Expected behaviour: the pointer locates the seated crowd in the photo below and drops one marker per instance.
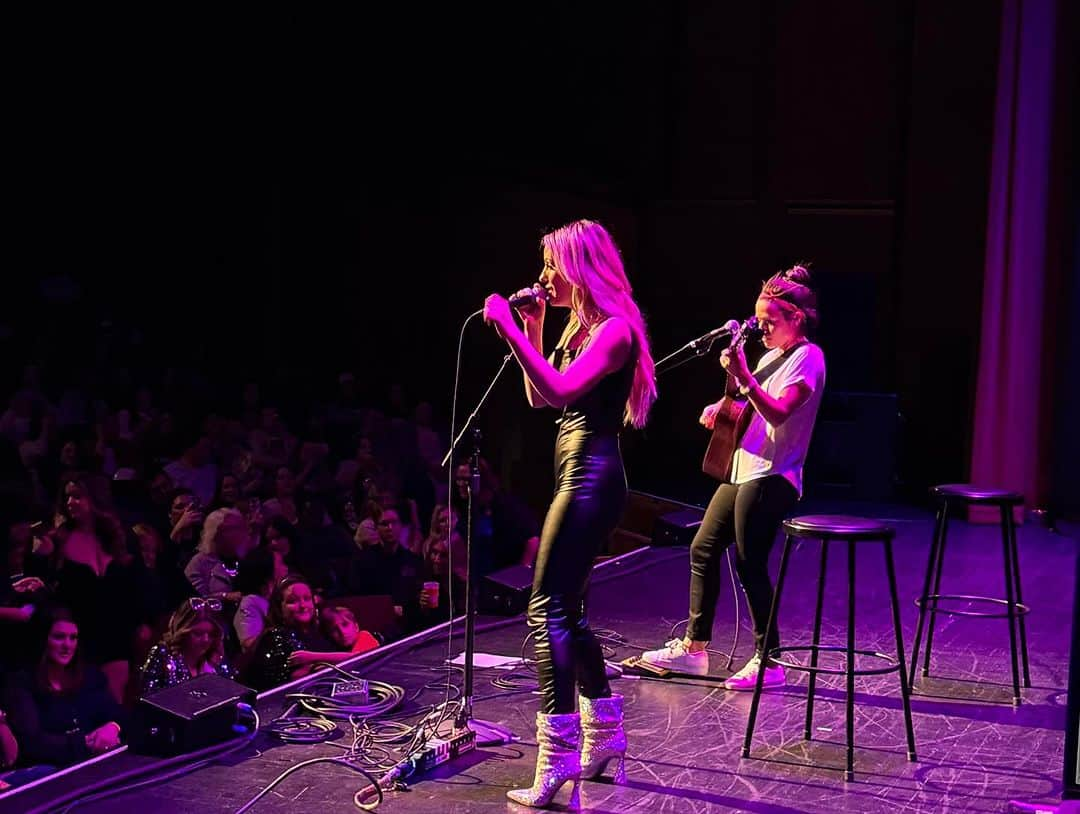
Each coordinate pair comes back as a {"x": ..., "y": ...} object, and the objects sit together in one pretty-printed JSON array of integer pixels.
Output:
[{"x": 140, "y": 554}]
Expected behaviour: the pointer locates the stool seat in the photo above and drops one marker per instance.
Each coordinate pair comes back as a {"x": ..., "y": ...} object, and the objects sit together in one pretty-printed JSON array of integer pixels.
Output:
[
  {"x": 838, "y": 526},
  {"x": 976, "y": 494}
]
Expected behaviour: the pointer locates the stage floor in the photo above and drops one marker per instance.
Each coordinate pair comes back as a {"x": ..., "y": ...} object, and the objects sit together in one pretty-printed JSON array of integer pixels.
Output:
[{"x": 975, "y": 750}]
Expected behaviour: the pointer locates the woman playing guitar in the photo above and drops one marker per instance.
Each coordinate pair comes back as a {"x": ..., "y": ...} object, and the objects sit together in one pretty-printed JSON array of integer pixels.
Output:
[{"x": 764, "y": 475}]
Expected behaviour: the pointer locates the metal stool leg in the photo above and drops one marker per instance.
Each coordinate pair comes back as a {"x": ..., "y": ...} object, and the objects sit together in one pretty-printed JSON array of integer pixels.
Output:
[
  {"x": 1019, "y": 597},
  {"x": 849, "y": 773},
  {"x": 939, "y": 524},
  {"x": 1010, "y": 607},
  {"x": 932, "y": 610},
  {"x": 904, "y": 690},
  {"x": 817, "y": 640},
  {"x": 755, "y": 702}
]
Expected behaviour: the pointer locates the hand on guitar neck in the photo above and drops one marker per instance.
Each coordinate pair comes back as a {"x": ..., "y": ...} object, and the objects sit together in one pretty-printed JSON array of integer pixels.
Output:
[
  {"x": 733, "y": 360},
  {"x": 729, "y": 417}
]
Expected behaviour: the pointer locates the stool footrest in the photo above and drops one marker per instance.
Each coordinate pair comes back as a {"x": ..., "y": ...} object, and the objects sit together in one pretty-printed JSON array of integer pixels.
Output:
[
  {"x": 891, "y": 666},
  {"x": 1018, "y": 608}
]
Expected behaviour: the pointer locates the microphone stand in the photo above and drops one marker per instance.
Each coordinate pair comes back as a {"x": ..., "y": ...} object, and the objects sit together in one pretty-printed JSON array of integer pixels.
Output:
[
  {"x": 700, "y": 346},
  {"x": 487, "y": 733}
]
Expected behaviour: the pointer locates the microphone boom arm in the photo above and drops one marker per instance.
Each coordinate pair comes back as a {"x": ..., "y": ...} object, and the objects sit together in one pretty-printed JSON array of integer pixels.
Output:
[{"x": 700, "y": 346}]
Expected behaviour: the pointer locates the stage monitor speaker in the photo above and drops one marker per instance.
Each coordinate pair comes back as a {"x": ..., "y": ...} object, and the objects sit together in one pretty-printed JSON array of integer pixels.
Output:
[
  {"x": 506, "y": 592},
  {"x": 199, "y": 712},
  {"x": 642, "y": 510},
  {"x": 677, "y": 528}
]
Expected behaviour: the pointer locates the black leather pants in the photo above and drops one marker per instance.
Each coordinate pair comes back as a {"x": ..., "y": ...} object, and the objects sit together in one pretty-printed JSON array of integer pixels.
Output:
[{"x": 590, "y": 494}]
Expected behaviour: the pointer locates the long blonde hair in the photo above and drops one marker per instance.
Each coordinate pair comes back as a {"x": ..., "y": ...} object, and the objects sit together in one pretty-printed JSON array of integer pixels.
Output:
[
  {"x": 589, "y": 259},
  {"x": 210, "y": 528}
]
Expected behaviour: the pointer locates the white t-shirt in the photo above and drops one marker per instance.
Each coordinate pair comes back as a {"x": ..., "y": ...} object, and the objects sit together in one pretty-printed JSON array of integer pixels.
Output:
[{"x": 766, "y": 450}]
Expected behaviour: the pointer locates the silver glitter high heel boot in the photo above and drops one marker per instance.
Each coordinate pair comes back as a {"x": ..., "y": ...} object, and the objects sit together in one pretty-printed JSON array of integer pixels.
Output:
[
  {"x": 602, "y": 737},
  {"x": 557, "y": 761}
]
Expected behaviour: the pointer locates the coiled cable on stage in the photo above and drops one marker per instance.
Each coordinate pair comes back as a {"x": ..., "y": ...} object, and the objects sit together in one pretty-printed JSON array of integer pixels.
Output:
[
  {"x": 319, "y": 699},
  {"x": 302, "y": 729}
]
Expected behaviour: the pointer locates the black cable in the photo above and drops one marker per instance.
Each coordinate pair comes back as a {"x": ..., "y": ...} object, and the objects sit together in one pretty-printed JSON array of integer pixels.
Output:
[
  {"x": 292, "y": 769},
  {"x": 302, "y": 729},
  {"x": 449, "y": 506}
]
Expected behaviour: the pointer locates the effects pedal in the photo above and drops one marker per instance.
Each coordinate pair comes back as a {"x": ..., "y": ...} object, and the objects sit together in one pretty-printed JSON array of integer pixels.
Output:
[
  {"x": 354, "y": 692},
  {"x": 441, "y": 750},
  {"x": 635, "y": 666},
  {"x": 435, "y": 753}
]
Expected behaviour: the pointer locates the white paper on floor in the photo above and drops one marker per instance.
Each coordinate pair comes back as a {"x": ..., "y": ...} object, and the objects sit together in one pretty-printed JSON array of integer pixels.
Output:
[{"x": 482, "y": 660}]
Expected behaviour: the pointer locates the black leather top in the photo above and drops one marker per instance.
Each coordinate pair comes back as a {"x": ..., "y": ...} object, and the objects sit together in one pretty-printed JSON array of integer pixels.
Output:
[
  {"x": 976, "y": 494},
  {"x": 838, "y": 526}
]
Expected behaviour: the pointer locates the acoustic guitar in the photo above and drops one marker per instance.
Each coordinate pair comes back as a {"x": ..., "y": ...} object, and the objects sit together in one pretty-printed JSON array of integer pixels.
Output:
[
  {"x": 733, "y": 416},
  {"x": 735, "y": 412}
]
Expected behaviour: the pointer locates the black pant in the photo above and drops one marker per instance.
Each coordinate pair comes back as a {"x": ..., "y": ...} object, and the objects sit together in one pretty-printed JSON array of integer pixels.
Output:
[
  {"x": 748, "y": 514},
  {"x": 589, "y": 500}
]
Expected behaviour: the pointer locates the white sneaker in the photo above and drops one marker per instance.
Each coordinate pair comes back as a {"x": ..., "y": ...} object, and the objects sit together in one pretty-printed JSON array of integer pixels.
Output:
[
  {"x": 746, "y": 678},
  {"x": 674, "y": 656}
]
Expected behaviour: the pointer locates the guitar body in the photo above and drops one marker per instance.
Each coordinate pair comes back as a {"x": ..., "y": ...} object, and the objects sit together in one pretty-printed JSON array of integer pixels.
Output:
[{"x": 732, "y": 418}]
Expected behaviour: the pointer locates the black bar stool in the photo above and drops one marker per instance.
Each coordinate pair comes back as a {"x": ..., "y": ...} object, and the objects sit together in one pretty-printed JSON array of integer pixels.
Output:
[
  {"x": 950, "y": 497},
  {"x": 829, "y": 528}
]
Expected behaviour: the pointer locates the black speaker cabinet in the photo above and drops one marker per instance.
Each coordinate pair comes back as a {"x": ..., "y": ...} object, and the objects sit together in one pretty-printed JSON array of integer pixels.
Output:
[
  {"x": 677, "y": 528},
  {"x": 853, "y": 451},
  {"x": 197, "y": 713},
  {"x": 506, "y": 592}
]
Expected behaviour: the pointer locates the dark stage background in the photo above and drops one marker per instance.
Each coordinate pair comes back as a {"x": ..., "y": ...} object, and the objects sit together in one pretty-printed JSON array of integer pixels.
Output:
[{"x": 286, "y": 198}]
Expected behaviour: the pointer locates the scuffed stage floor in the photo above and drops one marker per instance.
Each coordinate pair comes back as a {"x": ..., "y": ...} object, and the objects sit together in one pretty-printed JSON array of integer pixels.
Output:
[{"x": 975, "y": 750}]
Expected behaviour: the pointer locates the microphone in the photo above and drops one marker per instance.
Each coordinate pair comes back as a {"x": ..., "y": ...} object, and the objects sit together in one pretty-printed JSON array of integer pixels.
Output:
[
  {"x": 534, "y": 293},
  {"x": 750, "y": 327},
  {"x": 729, "y": 328}
]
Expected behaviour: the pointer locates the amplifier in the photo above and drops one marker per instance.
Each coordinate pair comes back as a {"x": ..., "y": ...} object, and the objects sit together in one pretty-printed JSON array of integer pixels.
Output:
[
  {"x": 677, "y": 528},
  {"x": 506, "y": 592},
  {"x": 199, "y": 712}
]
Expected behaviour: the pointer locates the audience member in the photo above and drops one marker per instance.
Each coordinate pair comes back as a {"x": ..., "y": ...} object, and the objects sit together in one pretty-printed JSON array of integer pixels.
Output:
[
  {"x": 504, "y": 530},
  {"x": 292, "y": 645},
  {"x": 339, "y": 625},
  {"x": 259, "y": 572},
  {"x": 226, "y": 538},
  {"x": 387, "y": 567},
  {"x": 62, "y": 711},
  {"x": 283, "y": 503},
  {"x": 86, "y": 558},
  {"x": 192, "y": 645},
  {"x": 195, "y": 469}
]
